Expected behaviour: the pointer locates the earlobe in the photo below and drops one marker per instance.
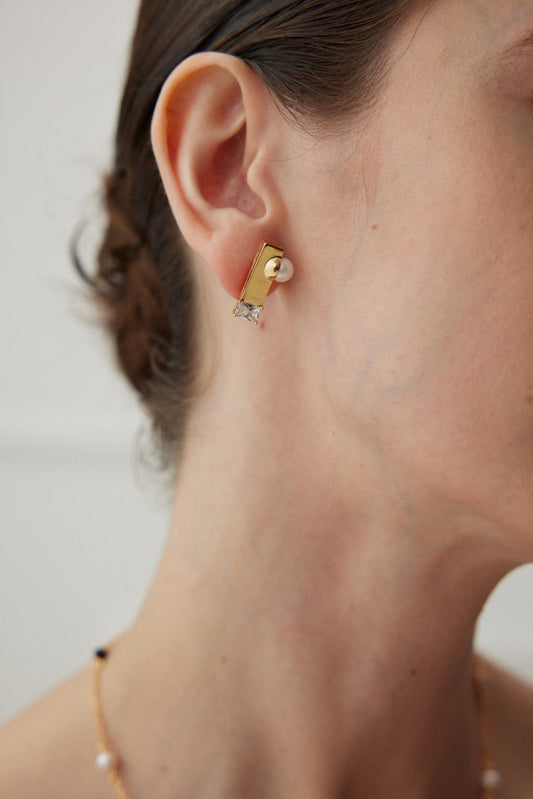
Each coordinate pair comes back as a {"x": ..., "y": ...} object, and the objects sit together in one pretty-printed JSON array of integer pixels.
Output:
[{"x": 208, "y": 131}]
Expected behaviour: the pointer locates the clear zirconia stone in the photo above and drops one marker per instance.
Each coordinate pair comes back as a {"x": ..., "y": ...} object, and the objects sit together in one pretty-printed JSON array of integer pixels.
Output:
[{"x": 247, "y": 311}]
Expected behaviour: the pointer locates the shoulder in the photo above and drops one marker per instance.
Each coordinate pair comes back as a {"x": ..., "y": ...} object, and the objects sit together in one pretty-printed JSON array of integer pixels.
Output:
[{"x": 49, "y": 749}]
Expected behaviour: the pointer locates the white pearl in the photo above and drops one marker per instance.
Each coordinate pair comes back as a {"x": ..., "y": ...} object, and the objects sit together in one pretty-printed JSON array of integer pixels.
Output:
[
  {"x": 491, "y": 778},
  {"x": 105, "y": 761},
  {"x": 286, "y": 271}
]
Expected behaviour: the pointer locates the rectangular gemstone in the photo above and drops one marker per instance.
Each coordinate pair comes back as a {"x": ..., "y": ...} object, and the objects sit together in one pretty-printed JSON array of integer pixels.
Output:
[{"x": 247, "y": 311}]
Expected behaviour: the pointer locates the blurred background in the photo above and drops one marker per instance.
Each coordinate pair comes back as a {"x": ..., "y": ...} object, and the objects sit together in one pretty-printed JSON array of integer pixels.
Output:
[{"x": 82, "y": 520}]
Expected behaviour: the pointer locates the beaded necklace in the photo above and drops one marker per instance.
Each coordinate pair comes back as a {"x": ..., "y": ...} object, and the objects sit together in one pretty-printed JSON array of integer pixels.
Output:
[{"x": 490, "y": 780}]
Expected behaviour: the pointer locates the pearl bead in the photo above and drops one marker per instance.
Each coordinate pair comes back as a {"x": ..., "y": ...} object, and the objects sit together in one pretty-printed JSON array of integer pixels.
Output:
[
  {"x": 105, "y": 761},
  {"x": 286, "y": 271},
  {"x": 491, "y": 778}
]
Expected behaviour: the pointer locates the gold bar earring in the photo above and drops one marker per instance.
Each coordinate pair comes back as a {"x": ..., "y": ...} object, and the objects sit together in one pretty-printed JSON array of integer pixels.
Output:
[{"x": 268, "y": 265}]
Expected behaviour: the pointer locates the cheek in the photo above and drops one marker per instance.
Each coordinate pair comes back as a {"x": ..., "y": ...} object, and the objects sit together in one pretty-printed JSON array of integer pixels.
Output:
[
  {"x": 464, "y": 338},
  {"x": 462, "y": 239},
  {"x": 466, "y": 422},
  {"x": 449, "y": 317}
]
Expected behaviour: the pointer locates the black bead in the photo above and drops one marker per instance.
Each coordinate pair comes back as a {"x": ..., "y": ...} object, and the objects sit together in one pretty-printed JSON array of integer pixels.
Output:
[{"x": 101, "y": 653}]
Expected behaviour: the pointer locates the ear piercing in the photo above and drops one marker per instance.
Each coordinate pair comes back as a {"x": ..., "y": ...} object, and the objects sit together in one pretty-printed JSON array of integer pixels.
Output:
[{"x": 269, "y": 264}]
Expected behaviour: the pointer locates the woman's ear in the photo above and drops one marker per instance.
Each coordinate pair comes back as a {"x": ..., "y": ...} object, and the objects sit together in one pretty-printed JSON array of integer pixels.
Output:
[{"x": 213, "y": 134}]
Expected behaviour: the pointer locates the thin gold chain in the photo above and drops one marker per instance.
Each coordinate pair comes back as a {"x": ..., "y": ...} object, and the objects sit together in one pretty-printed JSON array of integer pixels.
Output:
[
  {"x": 106, "y": 758},
  {"x": 108, "y": 761},
  {"x": 491, "y": 778}
]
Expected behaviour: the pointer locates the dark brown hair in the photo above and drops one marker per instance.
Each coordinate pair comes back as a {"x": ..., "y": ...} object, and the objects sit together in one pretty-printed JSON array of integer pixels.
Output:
[{"x": 321, "y": 58}]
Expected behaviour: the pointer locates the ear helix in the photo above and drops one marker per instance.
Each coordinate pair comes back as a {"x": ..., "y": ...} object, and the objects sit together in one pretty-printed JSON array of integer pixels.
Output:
[{"x": 269, "y": 264}]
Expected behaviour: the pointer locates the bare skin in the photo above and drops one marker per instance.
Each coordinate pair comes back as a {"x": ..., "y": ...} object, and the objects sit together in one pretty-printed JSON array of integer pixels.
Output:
[
  {"x": 358, "y": 475},
  {"x": 49, "y": 749}
]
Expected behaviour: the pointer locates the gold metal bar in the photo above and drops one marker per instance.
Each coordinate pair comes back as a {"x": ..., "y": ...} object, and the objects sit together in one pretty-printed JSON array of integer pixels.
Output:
[{"x": 257, "y": 283}]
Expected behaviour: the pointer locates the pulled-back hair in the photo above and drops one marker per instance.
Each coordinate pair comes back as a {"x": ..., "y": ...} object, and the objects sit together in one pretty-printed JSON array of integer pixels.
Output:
[{"x": 322, "y": 59}]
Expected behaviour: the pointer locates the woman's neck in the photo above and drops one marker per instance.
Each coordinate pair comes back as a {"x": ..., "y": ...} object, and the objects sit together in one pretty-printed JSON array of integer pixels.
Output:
[{"x": 308, "y": 633}]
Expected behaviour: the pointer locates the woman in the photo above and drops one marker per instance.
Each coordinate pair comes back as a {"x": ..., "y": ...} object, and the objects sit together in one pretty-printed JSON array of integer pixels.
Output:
[{"x": 355, "y": 471}]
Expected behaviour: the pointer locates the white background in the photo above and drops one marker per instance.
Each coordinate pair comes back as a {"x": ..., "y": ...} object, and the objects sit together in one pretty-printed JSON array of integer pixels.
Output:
[{"x": 81, "y": 526}]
